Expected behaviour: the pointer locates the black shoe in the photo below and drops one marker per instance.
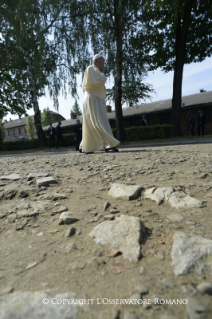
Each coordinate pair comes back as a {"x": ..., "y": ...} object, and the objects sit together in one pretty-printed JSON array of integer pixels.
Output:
[
  {"x": 80, "y": 151},
  {"x": 111, "y": 150},
  {"x": 89, "y": 153}
]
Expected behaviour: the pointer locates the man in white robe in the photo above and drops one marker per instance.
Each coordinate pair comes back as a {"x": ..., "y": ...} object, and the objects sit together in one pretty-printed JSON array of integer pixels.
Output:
[{"x": 96, "y": 131}]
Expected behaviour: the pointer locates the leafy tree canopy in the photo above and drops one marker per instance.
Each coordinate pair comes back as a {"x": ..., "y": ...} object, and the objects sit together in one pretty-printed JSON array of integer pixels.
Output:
[
  {"x": 46, "y": 117},
  {"x": 75, "y": 109}
]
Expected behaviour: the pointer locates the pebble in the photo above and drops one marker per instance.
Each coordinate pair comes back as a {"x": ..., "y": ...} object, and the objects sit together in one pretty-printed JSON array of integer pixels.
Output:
[
  {"x": 142, "y": 290},
  {"x": 167, "y": 282},
  {"x": 109, "y": 217},
  {"x": 205, "y": 288},
  {"x": 106, "y": 205},
  {"x": 70, "y": 232},
  {"x": 141, "y": 270},
  {"x": 160, "y": 256}
]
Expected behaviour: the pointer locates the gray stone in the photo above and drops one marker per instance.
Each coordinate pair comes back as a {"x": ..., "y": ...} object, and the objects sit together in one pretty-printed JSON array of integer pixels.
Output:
[
  {"x": 59, "y": 196},
  {"x": 109, "y": 216},
  {"x": 129, "y": 315},
  {"x": 62, "y": 209},
  {"x": 194, "y": 309},
  {"x": 11, "y": 218},
  {"x": 6, "y": 291},
  {"x": 2, "y": 215},
  {"x": 70, "y": 232},
  {"x": 167, "y": 282},
  {"x": 205, "y": 288},
  {"x": 45, "y": 181},
  {"x": 203, "y": 175},
  {"x": 67, "y": 218},
  {"x": 175, "y": 199},
  {"x": 142, "y": 290},
  {"x": 120, "y": 191},
  {"x": 124, "y": 233},
  {"x": 68, "y": 248},
  {"x": 23, "y": 194},
  {"x": 181, "y": 200},
  {"x": 114, "y": 211},
  {"x": 38, "y": 305},
  {"x": 12, "y": 177},
  {"x": 106, "y": 205},
  {"x": 190, "y": 252},
  {"x": 141, "y": 270},
  {"x": 9, "y": 194},
  {"x": 175, "y": 217},
  {"x": 36, "y": 175}
]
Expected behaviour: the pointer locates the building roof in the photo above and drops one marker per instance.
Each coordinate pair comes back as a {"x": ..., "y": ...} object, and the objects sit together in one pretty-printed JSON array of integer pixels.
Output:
[
  {"x": 194, "y": 100},
  {"x": 22, "y": 121}
]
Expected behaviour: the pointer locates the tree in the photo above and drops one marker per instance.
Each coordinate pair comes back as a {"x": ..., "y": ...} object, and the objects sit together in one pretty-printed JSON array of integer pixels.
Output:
[
  {"x": 75, "y": 109},
  {"x": 46, "y": 40},
  {"x": 3, "y": 130},
  {"x": 46, "y": 117},
  {"x": 179, "y": 32},
  {"x": 30, "y": 127},
  {"x": 115, "y": 26}
]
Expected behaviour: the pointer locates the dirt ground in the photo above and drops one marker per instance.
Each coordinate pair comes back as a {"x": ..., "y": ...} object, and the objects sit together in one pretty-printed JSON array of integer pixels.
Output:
[{"x": 33, "y": 249}]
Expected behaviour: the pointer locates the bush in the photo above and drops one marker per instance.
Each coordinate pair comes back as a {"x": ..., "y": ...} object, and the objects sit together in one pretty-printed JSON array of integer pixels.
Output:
[
  {"x": 34, "y": 144},
  {"x": 139, "y": 133}
]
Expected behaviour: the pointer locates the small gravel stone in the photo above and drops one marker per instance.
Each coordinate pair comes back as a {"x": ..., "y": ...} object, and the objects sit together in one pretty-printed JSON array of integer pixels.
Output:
[
  {"x": 205, "y": 288},
  {"x": 167, "y": 282}
]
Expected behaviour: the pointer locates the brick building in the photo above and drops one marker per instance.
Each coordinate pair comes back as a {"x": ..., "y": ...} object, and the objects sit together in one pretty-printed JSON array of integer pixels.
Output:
[
  {"x": 158, "y": 112},
  {"x": 15, "y": 129}
]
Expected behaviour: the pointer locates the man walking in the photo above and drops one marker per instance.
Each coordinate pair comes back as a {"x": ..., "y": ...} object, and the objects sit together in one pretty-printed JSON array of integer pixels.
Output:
[
  {"x": 51, "y": 133},
  {"x": 96, "y": 133},
  {"x": 191, "y": 123},
  {"x": 201, "y": 122},
  {"x": 144, "y": 121},
  {"x": 78, "y": 134},
  {"x": 59, "y": 136}
]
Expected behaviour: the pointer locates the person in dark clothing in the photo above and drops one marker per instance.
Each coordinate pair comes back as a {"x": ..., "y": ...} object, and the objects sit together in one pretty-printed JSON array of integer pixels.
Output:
[
  {"x": 201, "y": 122},
  {"x": 59, "y": 136},
  {"x": 51, "y": 134},
  {"x": 78, "y": 134},
  {"x": 1, "y": 142},
  {"x": 191, "y": 123},
  {"x": 144, "y": 121}
]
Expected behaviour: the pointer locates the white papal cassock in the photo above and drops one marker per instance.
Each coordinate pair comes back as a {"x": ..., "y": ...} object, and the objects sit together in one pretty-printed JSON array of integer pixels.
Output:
[{"x": 96, "y": 131}]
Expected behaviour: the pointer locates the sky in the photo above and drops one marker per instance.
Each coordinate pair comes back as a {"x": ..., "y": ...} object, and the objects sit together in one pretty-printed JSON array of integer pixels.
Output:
[{"x": 196, "y": 76}]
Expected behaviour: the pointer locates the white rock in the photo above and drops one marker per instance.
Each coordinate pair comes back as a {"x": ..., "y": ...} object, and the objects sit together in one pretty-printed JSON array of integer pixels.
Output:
[
  {"x": 12, "y": 177},
  {"x": 36, "y": 175},
  {"x": 175, "y": 217},
  {"x": 46, "y": 181},
  {"x": 67, "y": 218},
  {"x": 120, "y": 191},
  {"x": 181, "y": 200},
  {"x": 205, "y": 288},
  {"x": 188, "y": 253},
  {"x": 59, "y": 196},
  {"x": 124, "y": 233},
  {"x": 175, "y": 199}
]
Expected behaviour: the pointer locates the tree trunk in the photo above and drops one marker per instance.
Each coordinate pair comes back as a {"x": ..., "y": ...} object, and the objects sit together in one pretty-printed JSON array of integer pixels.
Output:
[
  {"x": 37, "y": 115},
  {"x": 181, "y": 39},
  {"x": 121, "y": 135}
]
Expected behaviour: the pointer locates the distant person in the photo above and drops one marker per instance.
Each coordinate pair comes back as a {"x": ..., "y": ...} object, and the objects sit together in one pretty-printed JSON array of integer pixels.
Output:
[
  {"x": 78, "y": 134},
  {"x": 1, "y": 141},
  {"x": 51, "y": 134},
  {"x": 59, "y": 136},
  {"x": 191, "y": 123},
  {"x": 144, "y": 121},
  {"x": 201, "y": 122}
]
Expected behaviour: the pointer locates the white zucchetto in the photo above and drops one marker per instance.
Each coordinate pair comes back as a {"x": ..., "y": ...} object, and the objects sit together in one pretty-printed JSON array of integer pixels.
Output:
[{"x": 97, "y": 56}]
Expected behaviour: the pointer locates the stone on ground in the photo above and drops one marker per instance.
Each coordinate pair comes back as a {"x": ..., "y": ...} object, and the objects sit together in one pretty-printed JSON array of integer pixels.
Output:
[
  {"x": 45, "y": 181},
  {"x": 124, "y": 233},
  {"x": 12, "y": 177},
  {"x": 36, "y": 175},
  {"x": 120, "y": 191},
  {"x": 190, "y": 252}
]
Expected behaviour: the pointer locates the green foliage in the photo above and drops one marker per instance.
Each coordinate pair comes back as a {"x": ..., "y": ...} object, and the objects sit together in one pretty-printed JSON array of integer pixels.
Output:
[
  {"x": 139, "y": 133},
  {"x": 34, "y": 144},
  {"x": 164, "y": 24},
  {"x": 75, "y": 109},
  {"x": 3, "y": 130},
  {"x": 46, "y": 117},
  {"x": 30, "y": 127}
]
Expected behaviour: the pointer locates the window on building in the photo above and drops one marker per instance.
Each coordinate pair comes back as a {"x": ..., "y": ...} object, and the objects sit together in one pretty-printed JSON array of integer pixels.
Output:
[
  {"x": 25, "y": 130},
  {"x": 13, "y": 131},
  {"x": 8, "y": 132},
  {"x": 208, "y": 114},
  {"x": 19, "y": 130}
]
